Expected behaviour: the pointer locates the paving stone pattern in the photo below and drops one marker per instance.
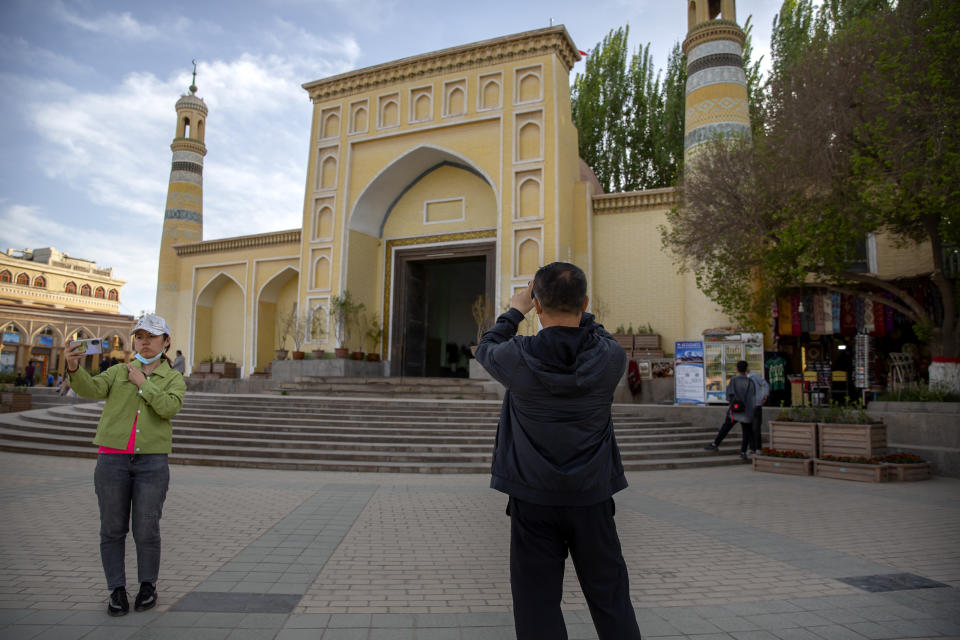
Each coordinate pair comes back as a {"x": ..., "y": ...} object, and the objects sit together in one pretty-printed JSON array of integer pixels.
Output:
[{"x": 712, "y": 553}]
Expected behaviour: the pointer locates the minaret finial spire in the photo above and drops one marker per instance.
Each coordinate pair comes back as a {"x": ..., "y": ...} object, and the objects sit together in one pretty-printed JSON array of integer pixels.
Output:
[{"x": 193, "y": 85}]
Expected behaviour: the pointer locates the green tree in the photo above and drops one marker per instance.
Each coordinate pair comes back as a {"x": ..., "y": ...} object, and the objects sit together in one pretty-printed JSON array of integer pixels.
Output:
[
  {"x": 862, "y": 137},
  {"x": 599, "y": 101}
]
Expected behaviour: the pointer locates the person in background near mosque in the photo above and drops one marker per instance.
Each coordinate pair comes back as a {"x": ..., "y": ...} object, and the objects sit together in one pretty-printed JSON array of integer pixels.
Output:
[
  {"x": 751, "y": 418},
  {"x": 132, "y": 473},
  {"x": 557, "y": 458},
  {"x": 178, "y": 363}
]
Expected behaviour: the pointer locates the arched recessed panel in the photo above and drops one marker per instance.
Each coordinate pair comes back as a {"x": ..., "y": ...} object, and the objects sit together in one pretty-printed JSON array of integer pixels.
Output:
[
  {"x": 359, "y": 124},
  {"x": 491, "y": 95},
  {"x": 6, "y": 276},
  {"x": 321, "y": 273},
  {"x": 529, "y": 89},
  {"x": 331, "y": 126},
  {"x": 23, "y": 279},
  {"x": 86, "y": 290},
  {"x": 457, "y": 102},
  {"x": 324, "y": 228},
  {"x": 529, "y": 200},
  {"x": 100, "y": 293},
  {"x": 422, "y": 108},
  {"x": 328, "y": 173},
  {"x": 529, "y": 148},
  {"x": 528, "y": 257}
]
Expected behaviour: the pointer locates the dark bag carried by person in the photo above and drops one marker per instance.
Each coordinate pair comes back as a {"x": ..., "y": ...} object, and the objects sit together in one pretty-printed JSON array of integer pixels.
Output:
[{"x": 736, "y": 404}]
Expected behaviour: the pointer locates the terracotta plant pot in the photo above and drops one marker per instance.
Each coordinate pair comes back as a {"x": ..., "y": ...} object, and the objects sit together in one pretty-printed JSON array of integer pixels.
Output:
[
  {"x": 280, "y": 354},
  {"x": 373, "y": 357},
  {"x": 319, "y": 353},
  {"x": 356, "y": 355},
  {"x": 298, "y": 355},
  {"x": 341, "y": 352}
]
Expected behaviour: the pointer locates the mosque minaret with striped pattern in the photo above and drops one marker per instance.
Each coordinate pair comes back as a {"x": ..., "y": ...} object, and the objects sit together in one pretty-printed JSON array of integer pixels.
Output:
[
  {"x": 183, "y": 215},
  {"x": 716, "y": 101}
]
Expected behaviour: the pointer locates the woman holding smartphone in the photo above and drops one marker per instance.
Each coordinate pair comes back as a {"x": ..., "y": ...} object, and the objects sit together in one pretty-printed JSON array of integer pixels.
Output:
[{"x": 134, "y": 435}]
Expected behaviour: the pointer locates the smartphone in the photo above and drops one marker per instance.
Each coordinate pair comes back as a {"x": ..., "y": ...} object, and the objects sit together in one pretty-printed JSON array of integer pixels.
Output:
[{"x": 89, "y": 346}]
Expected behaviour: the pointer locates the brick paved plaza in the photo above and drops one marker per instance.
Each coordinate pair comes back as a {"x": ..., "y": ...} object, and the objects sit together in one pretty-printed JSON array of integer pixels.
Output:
[{"x": 248, "y": 554}]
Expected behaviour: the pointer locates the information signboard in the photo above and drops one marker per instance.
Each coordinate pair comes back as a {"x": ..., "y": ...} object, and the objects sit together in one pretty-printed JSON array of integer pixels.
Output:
[{"x": 688, "y": 373}]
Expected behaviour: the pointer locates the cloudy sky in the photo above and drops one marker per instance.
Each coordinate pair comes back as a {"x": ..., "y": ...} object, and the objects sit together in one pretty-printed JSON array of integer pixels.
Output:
[{"x": 87, "y": 111}]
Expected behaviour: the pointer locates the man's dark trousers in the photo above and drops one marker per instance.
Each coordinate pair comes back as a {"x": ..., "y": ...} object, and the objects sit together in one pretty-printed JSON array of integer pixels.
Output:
[{"x": 540, "y": 537}]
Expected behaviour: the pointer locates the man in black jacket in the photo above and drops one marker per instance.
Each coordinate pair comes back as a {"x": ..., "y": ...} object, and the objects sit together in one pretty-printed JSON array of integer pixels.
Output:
[{"x": 557, "y": 458}]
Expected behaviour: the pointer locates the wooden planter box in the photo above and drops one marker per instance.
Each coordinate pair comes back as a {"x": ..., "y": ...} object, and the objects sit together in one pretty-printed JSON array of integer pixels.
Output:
[
  {"x": 204, "y": 367},
  {"x": 625, "y": 340},
  {"x": 908, "y": 472},
  {"x": 225, "y": 369},
  {"x": 794, "y": 436},
  {"x": 789, "y": 466},
  {"x": 646, "y": 341},
  {"x": 16, "y": 401},
  {"x": 852, "y": 440},
  {"x": 850, "y": 471}
]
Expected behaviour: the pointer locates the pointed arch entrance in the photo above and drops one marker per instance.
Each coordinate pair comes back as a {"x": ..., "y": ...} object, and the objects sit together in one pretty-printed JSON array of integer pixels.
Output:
[
  {"x": 437, "y": 213},
  {"x": 218, "y": 320},
  {"x": 277, "y": 299}
]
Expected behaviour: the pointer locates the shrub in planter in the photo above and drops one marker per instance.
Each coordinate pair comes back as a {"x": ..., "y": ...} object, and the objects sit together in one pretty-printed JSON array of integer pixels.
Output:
[{"x": 906, "y": 467}]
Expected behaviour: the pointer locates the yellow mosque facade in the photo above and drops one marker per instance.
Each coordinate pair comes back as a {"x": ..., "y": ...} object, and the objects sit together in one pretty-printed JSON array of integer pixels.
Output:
[{"x": 433, "y": 180}]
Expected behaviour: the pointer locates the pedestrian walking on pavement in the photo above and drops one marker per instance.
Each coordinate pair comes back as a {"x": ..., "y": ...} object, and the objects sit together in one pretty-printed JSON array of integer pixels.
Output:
[
  {"x": 752, "y": 391},
  {"x": 557, "y": 458},
  {"x": 132, "y": 474}
]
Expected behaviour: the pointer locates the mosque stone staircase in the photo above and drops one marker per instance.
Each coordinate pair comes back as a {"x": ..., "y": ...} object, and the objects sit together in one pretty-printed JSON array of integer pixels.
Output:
[{"x": 320, "y": 432}]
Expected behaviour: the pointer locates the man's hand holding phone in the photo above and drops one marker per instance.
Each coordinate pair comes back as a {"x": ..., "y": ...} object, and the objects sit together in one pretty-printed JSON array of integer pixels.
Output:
[{"x": 522, "y": 300}]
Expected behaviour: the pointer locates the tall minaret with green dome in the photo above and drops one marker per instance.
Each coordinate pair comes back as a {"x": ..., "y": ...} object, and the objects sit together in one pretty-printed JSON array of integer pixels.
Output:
[
  {"x": 716, "y": 82},
  {"x": 183, "y": 216}
]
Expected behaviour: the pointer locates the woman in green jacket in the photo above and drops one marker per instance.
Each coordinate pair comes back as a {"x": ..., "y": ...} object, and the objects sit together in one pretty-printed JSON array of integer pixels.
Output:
[{"x": 134, "y": 435}]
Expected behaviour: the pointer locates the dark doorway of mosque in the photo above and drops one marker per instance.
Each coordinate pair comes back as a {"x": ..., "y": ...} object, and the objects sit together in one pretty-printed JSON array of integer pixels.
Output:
[{"x": 433, "y": 325}]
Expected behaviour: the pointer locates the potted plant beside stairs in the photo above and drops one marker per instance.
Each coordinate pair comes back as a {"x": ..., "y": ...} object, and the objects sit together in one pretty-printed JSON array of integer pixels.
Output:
[
  {"x": 344, "y": 311},
  {"x": 374, "y": 332}
]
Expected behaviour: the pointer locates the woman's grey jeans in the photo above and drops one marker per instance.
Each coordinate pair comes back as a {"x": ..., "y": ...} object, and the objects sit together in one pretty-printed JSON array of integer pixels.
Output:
[{"x": 124, "y": 482}]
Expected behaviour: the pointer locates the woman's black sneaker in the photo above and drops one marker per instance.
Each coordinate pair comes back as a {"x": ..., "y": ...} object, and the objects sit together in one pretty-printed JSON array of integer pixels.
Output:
[
  {"x": 146, "y": 598},
  {"x": 118, "y": 605}
]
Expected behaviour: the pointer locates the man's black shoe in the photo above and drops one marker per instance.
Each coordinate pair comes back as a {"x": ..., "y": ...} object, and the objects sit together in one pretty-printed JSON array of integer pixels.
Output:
[
  {"x": 743, "y": 456},
  {"x": 118, "y": 605},
  {"x": 711, "y": 447},
  {"x": 146, "y": 598}
]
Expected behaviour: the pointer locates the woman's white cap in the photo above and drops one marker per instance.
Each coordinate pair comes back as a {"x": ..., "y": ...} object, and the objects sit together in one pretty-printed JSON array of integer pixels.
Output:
[{"x": 152, "y": 324}]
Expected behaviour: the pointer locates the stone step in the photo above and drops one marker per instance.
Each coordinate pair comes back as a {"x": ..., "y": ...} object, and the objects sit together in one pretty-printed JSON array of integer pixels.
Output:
[
  {"x": 237, "y": 424},
  {"x": 295, "y": 464},
  {"x": 375, "y": 434},
  {"x": 626, "y": 436},
  {"x": 326, "y": 440}
]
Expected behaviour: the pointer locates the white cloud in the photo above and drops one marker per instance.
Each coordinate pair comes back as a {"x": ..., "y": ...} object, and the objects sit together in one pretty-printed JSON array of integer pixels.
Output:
[{"x": 112, "y": 24}]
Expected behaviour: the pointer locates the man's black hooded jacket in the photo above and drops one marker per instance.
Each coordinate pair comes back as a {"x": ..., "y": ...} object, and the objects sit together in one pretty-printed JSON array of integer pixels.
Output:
[{"x": 555, "y": 442}]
